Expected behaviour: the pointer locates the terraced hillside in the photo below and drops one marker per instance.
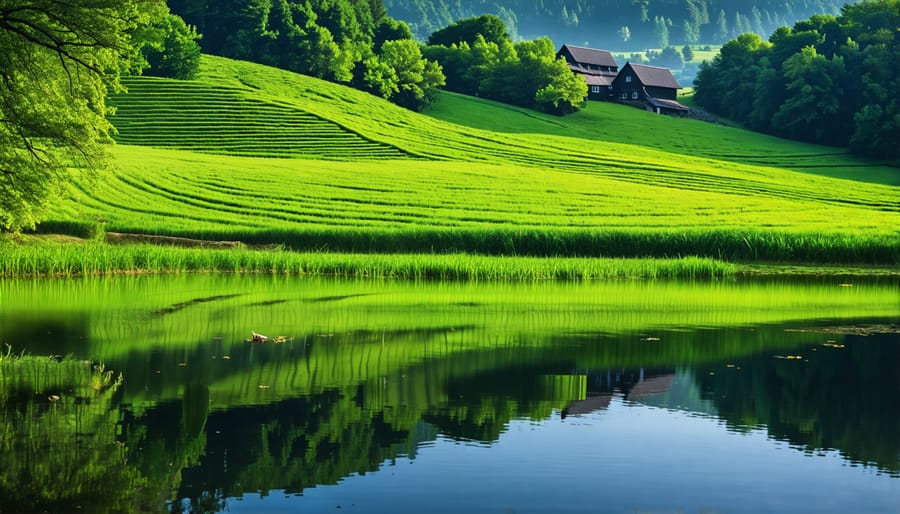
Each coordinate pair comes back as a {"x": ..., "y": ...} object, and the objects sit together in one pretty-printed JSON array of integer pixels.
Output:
[
  {"x": 470, "y": 176},
  {"x": 227, "y": 120}
]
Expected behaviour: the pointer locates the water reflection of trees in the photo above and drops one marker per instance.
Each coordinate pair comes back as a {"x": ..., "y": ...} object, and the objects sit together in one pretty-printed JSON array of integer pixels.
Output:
[
  {"x": 181, "y": 452},
  {"x": 838, "y": 396},
  {"x": 59, "y": 445}
]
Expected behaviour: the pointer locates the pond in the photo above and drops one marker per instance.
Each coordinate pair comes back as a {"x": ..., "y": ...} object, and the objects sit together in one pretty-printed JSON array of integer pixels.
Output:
[{"x": 741, "y": 396}]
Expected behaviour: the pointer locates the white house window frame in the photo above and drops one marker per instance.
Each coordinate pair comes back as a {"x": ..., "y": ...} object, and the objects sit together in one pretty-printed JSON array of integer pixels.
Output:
[
  {"x": 595, "y": 89},
  {"x": 634, "y": 95}
]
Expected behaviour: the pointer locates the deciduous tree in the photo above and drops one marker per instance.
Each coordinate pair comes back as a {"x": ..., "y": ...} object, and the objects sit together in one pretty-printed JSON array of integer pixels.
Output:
[{"x": 58, "y": 60}]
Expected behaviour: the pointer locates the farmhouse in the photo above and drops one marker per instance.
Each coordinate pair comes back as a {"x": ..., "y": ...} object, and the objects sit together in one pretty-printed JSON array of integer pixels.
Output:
[
  {"x": 648, "y": 86},
  {"x": 598, "y": 67}
]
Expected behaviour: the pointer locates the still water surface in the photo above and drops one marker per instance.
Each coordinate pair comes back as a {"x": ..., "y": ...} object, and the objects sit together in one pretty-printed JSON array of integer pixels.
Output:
[{"x": 622, "y": 396}]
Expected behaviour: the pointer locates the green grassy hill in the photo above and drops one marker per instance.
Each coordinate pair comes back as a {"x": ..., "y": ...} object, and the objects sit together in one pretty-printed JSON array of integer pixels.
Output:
[{"x": 256, "y": 154}]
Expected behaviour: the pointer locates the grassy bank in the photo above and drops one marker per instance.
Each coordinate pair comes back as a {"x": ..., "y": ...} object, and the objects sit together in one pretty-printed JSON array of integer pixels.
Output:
[{"x": 96, "y": 258}]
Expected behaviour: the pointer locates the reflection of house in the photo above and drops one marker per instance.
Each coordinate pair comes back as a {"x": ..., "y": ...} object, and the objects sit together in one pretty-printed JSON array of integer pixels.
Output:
[
  {"x": 634, "y": 385},
  {"x": 598, "y": 67},
  {"x": 587, "y": 406},
  {"x": 649, "y": 86},
  {"x": 652, "y": 386}
]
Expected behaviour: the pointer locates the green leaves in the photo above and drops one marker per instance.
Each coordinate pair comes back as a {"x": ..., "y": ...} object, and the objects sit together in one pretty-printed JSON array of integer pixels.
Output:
[
  {"x": 58, "y": 60},
  {"x": 827, "y": 80}
]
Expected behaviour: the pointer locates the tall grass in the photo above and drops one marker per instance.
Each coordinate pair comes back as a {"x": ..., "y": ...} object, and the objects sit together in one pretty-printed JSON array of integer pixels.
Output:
[
  {"x": 24, "y": 376},
  {"x": 94, "y": 259},
  {"x": 734, "y": 244}
]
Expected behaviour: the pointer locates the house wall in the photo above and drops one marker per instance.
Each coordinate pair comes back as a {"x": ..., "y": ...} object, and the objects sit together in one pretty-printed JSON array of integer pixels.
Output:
[
  {"x": 663, "y": 93},
  {"x": 629, "y": 89},
  {"x": 601, "y": 93}
]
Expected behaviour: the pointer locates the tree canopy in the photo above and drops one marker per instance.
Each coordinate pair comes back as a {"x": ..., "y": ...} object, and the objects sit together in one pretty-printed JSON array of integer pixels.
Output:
[
  {"x": 58, "y": 60},
  {"x": 830, "y": 80},
  {"x": 527, "y": 73},
  {"x": 343, "y": 41}
]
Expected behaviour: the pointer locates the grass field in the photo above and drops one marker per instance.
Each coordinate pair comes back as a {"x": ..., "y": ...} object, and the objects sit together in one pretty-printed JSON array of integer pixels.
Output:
[{"x": 253, "y": 154}]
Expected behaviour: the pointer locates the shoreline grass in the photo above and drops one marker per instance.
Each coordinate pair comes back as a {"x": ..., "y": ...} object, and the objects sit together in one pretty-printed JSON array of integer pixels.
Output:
[
  {"x": 39, "y": 258},
  {"x": 71, "y": 260}
]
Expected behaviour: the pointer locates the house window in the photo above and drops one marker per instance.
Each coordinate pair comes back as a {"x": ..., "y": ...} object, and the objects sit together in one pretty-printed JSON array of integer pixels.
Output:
[
  {"x": 624, "y": 96},
  {"x": 595, "y": 89},
  {"x": 634, "y": 95},
  {"x": 627, "y": 78}
]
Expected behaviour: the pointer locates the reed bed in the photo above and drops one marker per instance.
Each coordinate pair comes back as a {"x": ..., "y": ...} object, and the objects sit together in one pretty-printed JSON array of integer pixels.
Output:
[
  {"x": 28, "y": 375},
  {"x": 97, "y": 259},
  {"x": 732, "y": 245}
]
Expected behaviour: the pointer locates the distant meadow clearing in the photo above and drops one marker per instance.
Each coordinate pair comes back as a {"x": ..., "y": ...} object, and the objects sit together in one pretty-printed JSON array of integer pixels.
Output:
[{"x": 271, "y": 159}]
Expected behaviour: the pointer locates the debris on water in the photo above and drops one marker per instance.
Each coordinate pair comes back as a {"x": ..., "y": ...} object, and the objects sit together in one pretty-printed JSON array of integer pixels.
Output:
[
  {"x": 853, "y": 330},
  {"x": 834, "y": 344},
  {"x": 256, "y": 338},
  {"x": 845, "y": 285},
  {"x": 650, "y": 339},
  {"x": 281, "y": 339},
  {"x": 53, "y": 398},
  {"x": 789, "y": 357},
  {"x": 261, "y": 386}
]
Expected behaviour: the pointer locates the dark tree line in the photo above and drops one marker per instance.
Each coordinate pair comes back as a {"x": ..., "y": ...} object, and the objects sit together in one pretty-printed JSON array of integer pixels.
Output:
[
  {"x": 345, "y": 41},
  {"x": 479, "y": 58},
  {"x": 830, "y": 80},
  {"x": 616, "y": 24}
]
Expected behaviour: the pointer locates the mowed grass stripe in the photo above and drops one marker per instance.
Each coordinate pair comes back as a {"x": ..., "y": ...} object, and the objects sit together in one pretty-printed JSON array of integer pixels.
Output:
[
  {"x": 546, "y": 142},
  {"x": 295, "y": 194},
  {"x": 192, "y": 116}
]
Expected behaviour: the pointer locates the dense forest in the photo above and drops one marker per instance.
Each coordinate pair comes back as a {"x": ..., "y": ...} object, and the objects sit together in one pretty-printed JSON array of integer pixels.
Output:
[
  {"x": 356, "y": 42},
  {"x": 616, "y": 24},
  {"x": 347, "y": 41},
  {"x": 830, "y": 80}
]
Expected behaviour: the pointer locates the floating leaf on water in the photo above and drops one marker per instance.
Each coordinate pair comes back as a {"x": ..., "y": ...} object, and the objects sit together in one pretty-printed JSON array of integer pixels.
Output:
[
  {"x": 280, "y": 339},
  {"x": 226, "y": 357},
  {"x": 53, "y": 398},
  {"x": 730, "y": 366},
  {"x": 261, "y": 386},
  {"x": 650, "y": 339},
  {"x": 845, "y": 285},
  {"x": 182, "y": 364}
]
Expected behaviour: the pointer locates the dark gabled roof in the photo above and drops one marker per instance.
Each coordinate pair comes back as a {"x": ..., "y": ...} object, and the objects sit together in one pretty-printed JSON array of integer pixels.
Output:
[
  {"x": 654, "y": 76},
  {"x": 577, "y": 68},
  {"x": 666, "y": 104},
  {"x": 590, "y": 56},
  {"x": 598, "y": 80}
]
